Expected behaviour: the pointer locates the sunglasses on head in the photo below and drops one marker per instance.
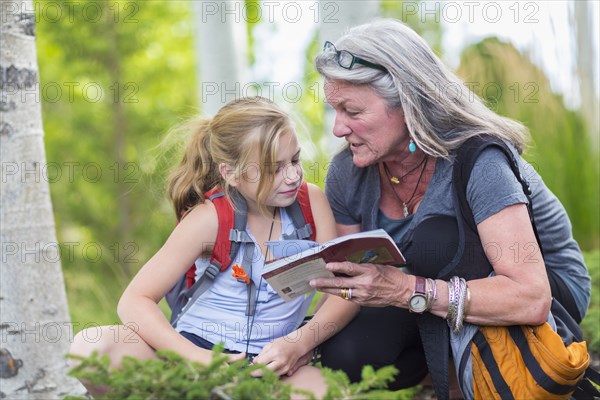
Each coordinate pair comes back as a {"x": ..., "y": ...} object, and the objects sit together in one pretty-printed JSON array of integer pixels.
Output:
[{"x": 347, "y": 60}]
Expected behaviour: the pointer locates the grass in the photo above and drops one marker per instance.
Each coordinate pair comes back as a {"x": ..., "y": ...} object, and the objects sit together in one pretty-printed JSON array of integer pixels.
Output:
[{"x": 591, "y": 323}]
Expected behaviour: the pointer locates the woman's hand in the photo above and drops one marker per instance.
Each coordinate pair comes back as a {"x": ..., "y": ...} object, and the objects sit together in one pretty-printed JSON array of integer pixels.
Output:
[
  {"x": 281, "y": 356},
  {"x": 372, "y": 285}
]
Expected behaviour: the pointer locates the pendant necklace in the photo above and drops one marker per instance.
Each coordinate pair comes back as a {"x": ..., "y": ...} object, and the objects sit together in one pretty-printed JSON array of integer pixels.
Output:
[
  {"x": 250, "y": 324},
  {"x": 393, "y": 179},
  {"x": 397, "y": 180}
]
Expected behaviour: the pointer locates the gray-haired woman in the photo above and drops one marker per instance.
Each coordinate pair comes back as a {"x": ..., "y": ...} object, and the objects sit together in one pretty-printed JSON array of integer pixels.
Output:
[{"x": 403, "y": 115}]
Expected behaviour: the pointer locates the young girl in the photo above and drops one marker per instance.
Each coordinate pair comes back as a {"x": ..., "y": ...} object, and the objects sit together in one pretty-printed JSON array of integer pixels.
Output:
[{"x": 249, "y": 148}]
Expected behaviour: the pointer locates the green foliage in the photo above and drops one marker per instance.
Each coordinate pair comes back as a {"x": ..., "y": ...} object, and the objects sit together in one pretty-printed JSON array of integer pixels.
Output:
[
  {"x": 253, "y": 10},
  {"x": 312, "y": 114},
  {"x": 173, "y": 377},
  {"x": 591, "y": 323},
  {"x": 114, "y": 76},
  {"x": 372, "y": 385}
]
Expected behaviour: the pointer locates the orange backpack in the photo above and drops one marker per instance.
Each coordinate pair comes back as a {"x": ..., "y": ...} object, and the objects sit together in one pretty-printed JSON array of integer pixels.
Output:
[
  {"x": 504, "y": 362},
  {"x": 520, "y": 362}
]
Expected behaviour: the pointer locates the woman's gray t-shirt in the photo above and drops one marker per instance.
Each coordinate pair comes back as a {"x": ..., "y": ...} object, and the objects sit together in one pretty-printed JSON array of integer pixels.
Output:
[{"x": 354, "y": 195}]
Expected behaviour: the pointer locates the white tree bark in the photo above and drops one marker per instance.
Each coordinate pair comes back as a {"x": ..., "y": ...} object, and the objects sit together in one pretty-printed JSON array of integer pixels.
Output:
[
  {"x": 221, "y": 51},
  {"x": 335, "y": 18},
  {"x": 586, "y": 56},
  {"x": 35, "y": 326}
]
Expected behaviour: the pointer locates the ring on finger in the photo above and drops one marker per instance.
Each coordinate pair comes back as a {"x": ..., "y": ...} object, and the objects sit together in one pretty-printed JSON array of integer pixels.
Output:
[{"x": 344, "y": 293}]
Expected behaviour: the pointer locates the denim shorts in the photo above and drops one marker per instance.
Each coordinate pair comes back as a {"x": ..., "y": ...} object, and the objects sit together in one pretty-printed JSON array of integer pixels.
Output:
[{"x": 205, "y": 344}]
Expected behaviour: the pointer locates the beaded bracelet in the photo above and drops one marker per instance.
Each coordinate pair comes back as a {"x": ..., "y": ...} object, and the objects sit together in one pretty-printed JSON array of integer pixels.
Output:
[{"x": 451, "y": 304}]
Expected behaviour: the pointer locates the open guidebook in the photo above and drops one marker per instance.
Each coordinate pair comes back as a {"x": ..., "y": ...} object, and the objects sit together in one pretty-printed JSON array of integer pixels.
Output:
[{"x": 299, "y": 261}]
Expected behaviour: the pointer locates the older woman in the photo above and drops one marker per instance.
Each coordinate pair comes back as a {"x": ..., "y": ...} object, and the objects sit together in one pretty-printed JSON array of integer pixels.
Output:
[{"x": 403, "y": 115}]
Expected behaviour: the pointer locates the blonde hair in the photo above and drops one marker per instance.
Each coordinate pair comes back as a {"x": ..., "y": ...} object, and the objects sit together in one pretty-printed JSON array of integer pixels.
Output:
[
  {"x": 231, "y": 136},
  {"x": 440, "y": 111}
]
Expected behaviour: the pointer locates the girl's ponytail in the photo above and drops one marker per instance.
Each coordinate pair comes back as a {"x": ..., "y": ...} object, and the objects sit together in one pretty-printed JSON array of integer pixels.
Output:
[
  {"x": 238, "y": 130},
  {"x": 197, "y": 172}
]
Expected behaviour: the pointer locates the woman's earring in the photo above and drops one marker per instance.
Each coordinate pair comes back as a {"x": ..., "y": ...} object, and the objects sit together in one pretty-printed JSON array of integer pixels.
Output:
[{"x": 412, "y": 147}]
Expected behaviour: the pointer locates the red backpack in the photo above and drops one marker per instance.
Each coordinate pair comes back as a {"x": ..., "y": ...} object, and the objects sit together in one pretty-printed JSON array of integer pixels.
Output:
[{"x": 230, "y": 235}]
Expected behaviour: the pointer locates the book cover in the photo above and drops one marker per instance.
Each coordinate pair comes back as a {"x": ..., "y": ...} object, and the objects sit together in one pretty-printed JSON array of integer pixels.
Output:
[{"x": 301, "y": 261}]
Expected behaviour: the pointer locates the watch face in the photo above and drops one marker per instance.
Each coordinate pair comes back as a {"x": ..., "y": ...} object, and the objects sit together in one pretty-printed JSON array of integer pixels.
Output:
[{"x": 417, "y": 303}]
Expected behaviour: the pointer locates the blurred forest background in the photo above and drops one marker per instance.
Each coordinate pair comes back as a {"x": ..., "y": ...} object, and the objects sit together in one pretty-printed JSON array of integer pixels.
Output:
[{"x": 116, "y": 75}]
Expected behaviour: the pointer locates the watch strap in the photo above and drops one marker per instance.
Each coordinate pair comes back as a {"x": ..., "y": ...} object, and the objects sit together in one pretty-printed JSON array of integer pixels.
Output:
[
  {"x": 420, "y": 285},
  {"x": 424, "y": 288}
]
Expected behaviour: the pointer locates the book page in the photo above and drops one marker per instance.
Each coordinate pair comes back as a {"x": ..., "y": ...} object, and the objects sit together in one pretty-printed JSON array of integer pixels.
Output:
[{"x": 293, "y": 282}]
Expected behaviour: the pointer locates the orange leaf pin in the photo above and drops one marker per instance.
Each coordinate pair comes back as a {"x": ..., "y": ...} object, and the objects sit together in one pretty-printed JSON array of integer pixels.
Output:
[{"x": 240, "y": 274}]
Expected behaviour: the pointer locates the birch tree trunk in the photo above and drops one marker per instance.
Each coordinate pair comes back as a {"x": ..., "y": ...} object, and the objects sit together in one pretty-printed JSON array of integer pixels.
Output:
[
  {"x": 586, "y": 56},
  {"x": 119, "y": 134},
  {"x": 335, "y": 18},
  {"x": 221, "y": 51},
  {"x": 35, "y": 325}
]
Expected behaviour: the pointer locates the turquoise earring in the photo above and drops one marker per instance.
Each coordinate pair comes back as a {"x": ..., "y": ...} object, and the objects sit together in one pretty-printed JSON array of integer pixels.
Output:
[{"x": 412, "y": 147}]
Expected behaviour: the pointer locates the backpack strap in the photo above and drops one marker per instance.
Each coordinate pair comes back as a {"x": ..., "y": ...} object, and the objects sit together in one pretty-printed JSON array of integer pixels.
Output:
[
  {"x": 233, "y": 219},
  {"x": 301, "y": 214},
  {"x": 585, "y": 389},
  {"x": 433, "y": 330},
  {"x": 567, "y": 327},
  {"x": 466, "y": 156},
  {"x": 231, "y": 233},
  {"x": 222, "y": 250},
  {"x": 188, "y": 296}
]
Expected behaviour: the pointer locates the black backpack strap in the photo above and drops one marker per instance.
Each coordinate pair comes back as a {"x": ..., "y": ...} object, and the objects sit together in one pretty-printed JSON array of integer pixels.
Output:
[
  {"x": 586, "y": 389},
  {"x": 466, "y": 156},
  {"x": 435, "y": 336},
  {"x": 433, "y": 330}
]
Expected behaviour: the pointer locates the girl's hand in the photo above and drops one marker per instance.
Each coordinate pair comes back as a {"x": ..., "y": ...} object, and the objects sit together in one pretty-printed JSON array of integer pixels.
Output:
[
  {"x": 302, "y": 361},
  {"x": 199, "y": 355},
  {"x": 372, "y": 285},
  {"x": 235, "y": 357},
  {"x": 280, "y": 356},
  {"x": 204, "y": 356}
]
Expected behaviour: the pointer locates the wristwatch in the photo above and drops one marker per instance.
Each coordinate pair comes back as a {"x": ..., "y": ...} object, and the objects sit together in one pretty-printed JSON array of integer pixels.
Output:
[{"x": 417, "y": 303}]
